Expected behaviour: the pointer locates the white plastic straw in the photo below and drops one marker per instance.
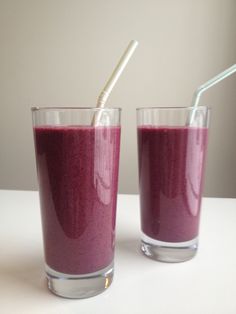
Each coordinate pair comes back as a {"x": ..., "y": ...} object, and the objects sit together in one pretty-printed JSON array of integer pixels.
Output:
[
  {"x": 113, "y": 79},
  {"x": 201, "y": 89}
]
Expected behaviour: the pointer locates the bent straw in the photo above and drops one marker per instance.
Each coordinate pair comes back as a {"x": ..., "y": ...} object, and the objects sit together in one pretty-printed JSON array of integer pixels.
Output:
[
  {"x": 201, "y": 89},
  {"x": 113, "y": 79}
]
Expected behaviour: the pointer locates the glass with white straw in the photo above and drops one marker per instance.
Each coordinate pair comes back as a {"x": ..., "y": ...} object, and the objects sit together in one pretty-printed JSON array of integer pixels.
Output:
[
  {"x": 77, "y": 167},
  {"x": 172, "y": 145}
]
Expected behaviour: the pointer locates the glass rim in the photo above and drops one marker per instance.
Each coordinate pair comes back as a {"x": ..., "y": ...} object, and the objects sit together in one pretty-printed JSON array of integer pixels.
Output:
[
  {"x": 173, "y": 108},
  {"x": 63, "y": 108}
]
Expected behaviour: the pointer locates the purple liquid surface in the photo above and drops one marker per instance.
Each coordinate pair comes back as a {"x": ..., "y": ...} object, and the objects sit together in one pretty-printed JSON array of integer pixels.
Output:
[
  {"x": 171, "y": 168},
  {"x": 78, "y": 174}
]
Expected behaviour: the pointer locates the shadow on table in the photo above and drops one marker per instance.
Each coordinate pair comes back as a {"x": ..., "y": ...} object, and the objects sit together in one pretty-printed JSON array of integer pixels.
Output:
[
  {"x": 129, "y": 247},
  {"x": 22, "y": 273}
]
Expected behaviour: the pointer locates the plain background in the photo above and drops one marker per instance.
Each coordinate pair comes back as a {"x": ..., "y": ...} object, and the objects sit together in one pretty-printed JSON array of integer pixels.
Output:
[{"x": 62, "y": 52}]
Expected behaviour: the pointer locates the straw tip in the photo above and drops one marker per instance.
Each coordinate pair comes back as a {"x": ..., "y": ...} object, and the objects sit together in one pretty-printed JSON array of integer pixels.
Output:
[{"x": 134, "y": 42}]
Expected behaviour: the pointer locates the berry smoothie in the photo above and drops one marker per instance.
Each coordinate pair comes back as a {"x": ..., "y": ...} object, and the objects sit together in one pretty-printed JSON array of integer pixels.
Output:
[
  {"x": 171, "y": 168},
  {"x": 78, "y": 173}
]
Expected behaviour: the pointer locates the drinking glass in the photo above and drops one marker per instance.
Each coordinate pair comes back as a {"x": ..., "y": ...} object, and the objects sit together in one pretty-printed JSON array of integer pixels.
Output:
[
  {"x": 77, "y": 167},
  {"x": 171, "y": 155}
]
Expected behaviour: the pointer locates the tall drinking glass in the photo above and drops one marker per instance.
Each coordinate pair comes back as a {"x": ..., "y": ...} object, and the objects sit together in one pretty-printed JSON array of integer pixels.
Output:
[
  {"x": 77, "y": 167},
  {"x": 171, "y": 155}
]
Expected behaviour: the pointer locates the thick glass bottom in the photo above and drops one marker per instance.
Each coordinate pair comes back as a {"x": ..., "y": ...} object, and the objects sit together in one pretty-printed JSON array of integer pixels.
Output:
[
  {"x": 168, "y": 252},
  {"x": 79, "y": 286}
]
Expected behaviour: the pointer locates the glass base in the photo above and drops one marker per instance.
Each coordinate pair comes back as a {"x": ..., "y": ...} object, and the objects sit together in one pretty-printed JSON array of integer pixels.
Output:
[
  {"x": 169, "y": 252},
  {"x": 79, "y": 286}
]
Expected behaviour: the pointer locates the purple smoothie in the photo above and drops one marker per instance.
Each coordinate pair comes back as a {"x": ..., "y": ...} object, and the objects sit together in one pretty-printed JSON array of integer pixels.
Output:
[
  {"x": 78, "y": 173},
  {"x": 171, "y": 167}
]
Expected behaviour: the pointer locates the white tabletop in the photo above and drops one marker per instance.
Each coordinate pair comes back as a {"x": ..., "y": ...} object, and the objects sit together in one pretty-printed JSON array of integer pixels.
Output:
[{"x": 205, "y": 284}]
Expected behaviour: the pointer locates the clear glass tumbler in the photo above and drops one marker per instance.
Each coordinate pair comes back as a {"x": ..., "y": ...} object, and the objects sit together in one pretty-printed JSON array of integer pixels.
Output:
[
  {"x": 77, "y": 167},
  {"x": 171, "y": 155}
]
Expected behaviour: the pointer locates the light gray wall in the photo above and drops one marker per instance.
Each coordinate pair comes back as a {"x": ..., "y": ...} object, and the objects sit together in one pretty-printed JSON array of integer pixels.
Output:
[{"x": 55, "y": 52}]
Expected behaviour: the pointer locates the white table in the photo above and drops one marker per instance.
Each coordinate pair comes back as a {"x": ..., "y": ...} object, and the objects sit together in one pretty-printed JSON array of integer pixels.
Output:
[{"x": 205, "y": 284}]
